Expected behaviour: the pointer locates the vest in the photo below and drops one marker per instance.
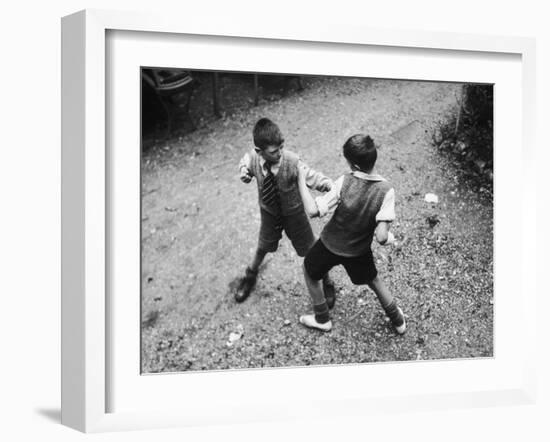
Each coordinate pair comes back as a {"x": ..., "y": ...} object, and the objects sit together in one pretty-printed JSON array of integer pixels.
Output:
[
  {"x": 350, "y": 230},
  {"x": 287, "y": 183}
]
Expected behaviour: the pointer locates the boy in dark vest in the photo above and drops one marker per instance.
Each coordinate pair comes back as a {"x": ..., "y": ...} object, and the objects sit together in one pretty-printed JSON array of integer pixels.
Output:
[
  {"x": 281, "y": 207},
  {"x": 362, "y": 203}
]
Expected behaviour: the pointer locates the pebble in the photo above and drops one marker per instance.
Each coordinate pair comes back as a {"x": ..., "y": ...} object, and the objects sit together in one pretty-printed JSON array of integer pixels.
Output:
[{"x": 431, "y": 198}]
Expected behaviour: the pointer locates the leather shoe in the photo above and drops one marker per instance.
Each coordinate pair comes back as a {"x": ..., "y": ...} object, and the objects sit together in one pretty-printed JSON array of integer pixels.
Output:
[{"x": 246, "y": 285}]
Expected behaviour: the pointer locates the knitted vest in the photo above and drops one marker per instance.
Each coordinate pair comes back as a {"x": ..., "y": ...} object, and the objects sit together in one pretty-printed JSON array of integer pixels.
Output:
[
  {"x": 351, "y": 228},
  {"x": 287, "y": 182}
]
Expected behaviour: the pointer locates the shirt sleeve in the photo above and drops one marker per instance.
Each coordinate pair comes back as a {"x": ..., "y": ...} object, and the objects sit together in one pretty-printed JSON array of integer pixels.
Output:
[
  {"x": 316, "y": 180},
  {"x": 245, "y": 162},
  {"x": 387, "y": 210},
  {"x": 328, "y": 202}
]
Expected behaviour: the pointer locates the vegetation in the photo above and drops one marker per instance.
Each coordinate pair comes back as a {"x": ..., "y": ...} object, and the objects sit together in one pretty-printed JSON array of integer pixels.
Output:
[{"x": 468, "y": 134}]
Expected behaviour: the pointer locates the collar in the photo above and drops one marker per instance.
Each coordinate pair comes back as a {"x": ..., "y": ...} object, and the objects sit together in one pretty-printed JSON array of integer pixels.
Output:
[
  {"x": 367, "y": 176},
  {"x": 262, "y": 162}
]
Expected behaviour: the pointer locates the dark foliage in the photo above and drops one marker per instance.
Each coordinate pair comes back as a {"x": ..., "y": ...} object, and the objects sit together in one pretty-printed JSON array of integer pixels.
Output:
[
  {"x": 471, "y": 138},
  {"x": 476, "y": 127}
]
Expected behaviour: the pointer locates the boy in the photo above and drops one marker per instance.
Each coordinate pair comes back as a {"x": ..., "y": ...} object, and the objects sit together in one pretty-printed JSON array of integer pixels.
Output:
[
  {"x": 363, "y": 204},
  {"x": 281, "y": 207}
]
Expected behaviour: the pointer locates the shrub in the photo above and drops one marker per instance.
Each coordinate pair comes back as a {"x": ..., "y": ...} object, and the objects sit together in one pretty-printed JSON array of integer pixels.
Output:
[{"x": 469, "y": 133}]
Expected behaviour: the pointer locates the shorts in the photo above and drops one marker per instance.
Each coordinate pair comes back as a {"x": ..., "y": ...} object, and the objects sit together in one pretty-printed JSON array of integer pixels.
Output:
[
  {"x": 296, "y": 227},
  {"x": 320, "y": 260}
]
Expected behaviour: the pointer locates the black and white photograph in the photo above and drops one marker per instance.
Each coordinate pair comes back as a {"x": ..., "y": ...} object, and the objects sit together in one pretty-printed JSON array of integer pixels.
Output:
[
  {"x": 233, "y": 221},
  {"x": 293, "y": 220}
]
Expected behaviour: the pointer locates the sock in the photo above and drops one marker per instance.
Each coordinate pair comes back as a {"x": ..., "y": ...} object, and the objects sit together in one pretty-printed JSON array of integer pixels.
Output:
[
  {"x": 321, "y": 313},
  {"x": 251, "y": 274},
  {"x": 393, "y": 313}
]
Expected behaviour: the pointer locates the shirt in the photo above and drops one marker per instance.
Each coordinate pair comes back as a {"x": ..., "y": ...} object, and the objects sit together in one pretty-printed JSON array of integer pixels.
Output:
[{"x": 328, "y": 202}]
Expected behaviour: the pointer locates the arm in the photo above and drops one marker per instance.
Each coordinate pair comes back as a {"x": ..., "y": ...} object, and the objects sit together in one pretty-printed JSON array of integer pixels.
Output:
[
  {"x": 383, "y": 234},
  {"x": 315, "y": 180},
  {"x": 244, "y": 169},
  {"x": 384, "y": 217},
  {"x": 309, "y": 203}
]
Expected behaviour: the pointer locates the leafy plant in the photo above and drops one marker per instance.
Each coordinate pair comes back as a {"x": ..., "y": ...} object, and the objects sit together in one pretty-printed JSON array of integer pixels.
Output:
[{"x": 469, "y": 133}]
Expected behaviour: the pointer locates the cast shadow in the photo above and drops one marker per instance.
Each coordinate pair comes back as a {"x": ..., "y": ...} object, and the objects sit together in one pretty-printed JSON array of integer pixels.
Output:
[{"x": 51, "y": 414}]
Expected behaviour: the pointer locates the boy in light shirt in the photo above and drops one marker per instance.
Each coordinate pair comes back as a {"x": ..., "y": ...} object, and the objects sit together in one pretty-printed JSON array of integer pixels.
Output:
[{"x": 362, "y": 203}]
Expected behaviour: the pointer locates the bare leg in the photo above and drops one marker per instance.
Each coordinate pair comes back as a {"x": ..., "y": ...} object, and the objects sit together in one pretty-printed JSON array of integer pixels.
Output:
[
  {"x": 381, "y": 291},
  {"x": 251, "y": 274},
  {"x": 389, "y": 305},
  {"x": 315, "y": 289},
  {"x": 258, "y": 259},
  {"x": 329, "y": 291},
  {"x": 320, "y": 319}
]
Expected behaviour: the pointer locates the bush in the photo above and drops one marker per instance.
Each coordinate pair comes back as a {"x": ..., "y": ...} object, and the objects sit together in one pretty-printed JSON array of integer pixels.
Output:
[
  {"x": 476, "y": 128},
  {"x": 469, "y": 133}
]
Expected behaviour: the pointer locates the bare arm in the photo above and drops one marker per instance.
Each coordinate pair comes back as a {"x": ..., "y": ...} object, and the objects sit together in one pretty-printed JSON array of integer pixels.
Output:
[
  {"x": 309, "y": 202},
  {"x": 244, "y": 169},
  {"x": 384, "y": 217},
  {"x": 315, "y": 180},
  {"x": 383, "y": 234},
  {"x": 382, "y": 231}
]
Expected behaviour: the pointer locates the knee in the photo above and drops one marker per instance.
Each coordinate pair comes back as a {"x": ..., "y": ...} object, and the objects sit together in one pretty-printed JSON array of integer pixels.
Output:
[
  {"x": 374, "y": 282},
  {"x": 265, "y": 248},
  {"x": 305, "y": 270}
]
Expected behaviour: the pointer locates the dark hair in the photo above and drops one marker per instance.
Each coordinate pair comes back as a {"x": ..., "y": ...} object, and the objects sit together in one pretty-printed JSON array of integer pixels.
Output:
[
  {"x": 267, "y": 133},
  {"x": 361, "y": 151}
]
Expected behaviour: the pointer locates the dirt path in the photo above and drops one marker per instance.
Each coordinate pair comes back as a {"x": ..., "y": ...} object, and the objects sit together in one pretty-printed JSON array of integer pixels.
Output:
[{"x": 200, "y": 224}]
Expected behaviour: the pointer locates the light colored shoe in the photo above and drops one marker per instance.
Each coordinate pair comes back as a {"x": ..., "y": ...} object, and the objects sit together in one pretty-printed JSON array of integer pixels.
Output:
[
  {"x": 403, "y": 327},
  {"x": 311, "y": 322}
]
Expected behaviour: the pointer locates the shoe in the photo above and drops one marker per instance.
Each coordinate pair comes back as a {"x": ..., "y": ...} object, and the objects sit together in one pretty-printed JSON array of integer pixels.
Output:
[
  {"x": 400, "y": 329},
  {"x": 311, "y": 322},
  {"x": 330, "y": 292},
  {"x": 246, "y": 285}
]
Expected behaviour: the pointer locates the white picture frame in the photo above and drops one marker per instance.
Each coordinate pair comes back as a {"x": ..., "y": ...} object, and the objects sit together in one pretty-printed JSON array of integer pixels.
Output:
[{"x": 86, "y": 202}]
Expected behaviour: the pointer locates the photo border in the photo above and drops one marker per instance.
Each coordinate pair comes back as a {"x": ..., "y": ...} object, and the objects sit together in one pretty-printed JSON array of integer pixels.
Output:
[{"x": 85, "y": 203}]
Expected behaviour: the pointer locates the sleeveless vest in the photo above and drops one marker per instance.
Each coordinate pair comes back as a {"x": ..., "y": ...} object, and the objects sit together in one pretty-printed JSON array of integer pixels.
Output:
[
  {"x": 351, "y": 228},
  {"x": 286, "y": 179}
]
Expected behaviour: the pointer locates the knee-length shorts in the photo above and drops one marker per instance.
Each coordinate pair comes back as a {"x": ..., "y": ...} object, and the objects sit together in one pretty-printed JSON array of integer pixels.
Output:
[
  {"x": 296, "y": 227},
  {"x": 319, "y": 260}
]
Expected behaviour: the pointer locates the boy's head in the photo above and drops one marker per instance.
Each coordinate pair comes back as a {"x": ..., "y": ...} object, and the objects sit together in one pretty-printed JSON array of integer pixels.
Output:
[
  {"x": 360, "y": 152},
  {"x": 268, "y": 140}
]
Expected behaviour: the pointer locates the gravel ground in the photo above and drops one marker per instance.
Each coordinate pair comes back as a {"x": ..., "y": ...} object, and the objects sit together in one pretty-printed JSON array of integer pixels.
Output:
[{"x": 200, "y": 226}]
